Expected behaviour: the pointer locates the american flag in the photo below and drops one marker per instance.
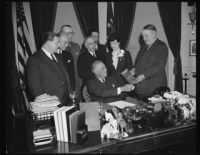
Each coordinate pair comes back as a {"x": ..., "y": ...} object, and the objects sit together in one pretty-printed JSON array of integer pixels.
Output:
[
  {"x": 24, "y": 41},
  {"x": 110, "y": 19}
]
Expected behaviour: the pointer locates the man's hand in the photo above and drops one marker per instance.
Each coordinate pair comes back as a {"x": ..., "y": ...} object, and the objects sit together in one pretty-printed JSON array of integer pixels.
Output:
[
  {"x": 139, "y": 78},
  {"x": 127, "y": 88}
]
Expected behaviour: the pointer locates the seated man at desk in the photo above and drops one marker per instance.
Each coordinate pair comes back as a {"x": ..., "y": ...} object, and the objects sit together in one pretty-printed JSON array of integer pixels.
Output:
[{"x": 103, "y": 88}]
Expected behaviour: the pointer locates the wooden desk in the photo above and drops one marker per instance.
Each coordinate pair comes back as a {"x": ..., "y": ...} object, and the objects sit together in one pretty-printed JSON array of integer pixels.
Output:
[{"x": 143, "y": 140}]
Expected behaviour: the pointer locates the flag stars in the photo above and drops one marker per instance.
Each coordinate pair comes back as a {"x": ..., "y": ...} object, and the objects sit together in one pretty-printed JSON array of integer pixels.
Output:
[{"x": 20, "y": 13}]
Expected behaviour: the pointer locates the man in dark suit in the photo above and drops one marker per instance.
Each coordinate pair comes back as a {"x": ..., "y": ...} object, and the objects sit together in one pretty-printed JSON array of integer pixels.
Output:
[
  {"x": 103, "y": 88},
  {"x": 150, "y": 63},
  {"x": 46, "y": 72},
  {"x": 70, "y": 52},
  {"x": 100, "y": 48},
  {"x": 87, "y": 57}
]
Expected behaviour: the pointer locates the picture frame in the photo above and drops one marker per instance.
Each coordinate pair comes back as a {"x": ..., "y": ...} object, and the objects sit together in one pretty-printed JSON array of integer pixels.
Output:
[{"x": 192, "y": 48}]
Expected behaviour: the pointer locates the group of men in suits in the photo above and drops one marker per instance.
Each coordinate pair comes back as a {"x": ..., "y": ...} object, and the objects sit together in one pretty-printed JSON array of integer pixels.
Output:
[{"x": 61, "y": 67}]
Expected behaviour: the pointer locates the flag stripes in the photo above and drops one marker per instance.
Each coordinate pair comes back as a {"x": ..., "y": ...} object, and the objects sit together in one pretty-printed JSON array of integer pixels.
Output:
[
  {"x": 110, "y": 19},
  {"x": 24, "y": 43}
]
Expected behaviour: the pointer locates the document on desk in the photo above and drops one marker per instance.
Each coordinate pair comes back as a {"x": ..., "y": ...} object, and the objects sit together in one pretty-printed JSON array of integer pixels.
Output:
[
  {"x": 156, "y": 100},
  {"x": 122, "y": 104},
  {"x": 91, "y": 115}
]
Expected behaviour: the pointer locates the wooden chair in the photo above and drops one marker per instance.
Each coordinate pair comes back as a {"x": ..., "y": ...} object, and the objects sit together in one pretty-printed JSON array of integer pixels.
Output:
[{"x": 85, "y": 94}]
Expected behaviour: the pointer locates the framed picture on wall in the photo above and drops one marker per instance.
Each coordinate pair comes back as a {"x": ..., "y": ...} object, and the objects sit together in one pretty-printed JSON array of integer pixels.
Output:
[{"x": 192, "y": 48}]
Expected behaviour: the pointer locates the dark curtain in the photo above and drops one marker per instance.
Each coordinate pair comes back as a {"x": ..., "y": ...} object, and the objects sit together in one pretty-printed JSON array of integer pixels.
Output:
[
  {"x": 15, "y": 140},
  {"x": 124, "y": 13},
  {"x": 87, "y": 14},
  {"x": 43, "y": 19},
  {"x": 170, "y": 13}
]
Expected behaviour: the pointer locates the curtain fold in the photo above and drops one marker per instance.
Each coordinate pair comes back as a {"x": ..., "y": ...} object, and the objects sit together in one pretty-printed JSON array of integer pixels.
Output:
[
  {"x": 124, "y": 13},
  {"x": 170, "y": 13},
  {"x": 43, "y": 18},
  {"x": 14, "y": 100},
  {"x": 87, "y": 14}
]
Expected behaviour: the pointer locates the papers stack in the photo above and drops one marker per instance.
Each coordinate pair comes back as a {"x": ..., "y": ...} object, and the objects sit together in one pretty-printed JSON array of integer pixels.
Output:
[
  {"x": 42, "y": 136},
  {"x": 44, "y": 103},
  {"x": 122, "y": 104},
  {"x": 154, "y": 99}
]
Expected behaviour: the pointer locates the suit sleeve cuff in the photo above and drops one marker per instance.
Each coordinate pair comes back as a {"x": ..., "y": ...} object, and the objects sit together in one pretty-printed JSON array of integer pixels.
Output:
[{"x": 118, "y": 90}]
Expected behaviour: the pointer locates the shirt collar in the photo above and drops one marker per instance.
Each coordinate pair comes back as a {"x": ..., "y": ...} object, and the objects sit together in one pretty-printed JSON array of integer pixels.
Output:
[
  {"x": 102, "y": 80},
  {"x": 47, "y": 53},
  {"x": 92, "y": 53},
  {"x": 152, "y": 43}
]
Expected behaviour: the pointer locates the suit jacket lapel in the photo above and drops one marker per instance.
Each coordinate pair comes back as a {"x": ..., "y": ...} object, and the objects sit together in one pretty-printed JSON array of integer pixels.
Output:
[{"x": 48, "y": 62}]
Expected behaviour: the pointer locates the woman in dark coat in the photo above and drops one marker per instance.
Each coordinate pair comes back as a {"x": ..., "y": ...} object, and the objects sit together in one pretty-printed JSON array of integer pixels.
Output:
[{"x": 117, "y": 59}]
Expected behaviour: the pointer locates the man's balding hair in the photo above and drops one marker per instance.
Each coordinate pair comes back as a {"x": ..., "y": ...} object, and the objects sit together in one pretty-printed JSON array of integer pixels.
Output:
[
  {"x": 95, "y": 63},
  {"x": 61, "y": 28}
]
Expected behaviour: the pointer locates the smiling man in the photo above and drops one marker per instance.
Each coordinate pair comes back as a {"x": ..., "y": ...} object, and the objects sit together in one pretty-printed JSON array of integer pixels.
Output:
[
  {"x": 105, "y": 88},
  {"x": 150, "y": 63}
]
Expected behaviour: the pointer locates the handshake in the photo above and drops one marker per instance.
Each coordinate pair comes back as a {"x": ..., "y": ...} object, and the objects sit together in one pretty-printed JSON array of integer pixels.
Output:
[{"x": 127, "y": 88}]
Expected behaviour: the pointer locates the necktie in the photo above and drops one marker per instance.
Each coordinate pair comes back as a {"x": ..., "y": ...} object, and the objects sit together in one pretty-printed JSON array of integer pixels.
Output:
[
  {"x": 102, "y": 80},
  {"x": 94, "y": 55},
  {"x": 53, "y": 58},
  {"x": 147, "y": 47}
]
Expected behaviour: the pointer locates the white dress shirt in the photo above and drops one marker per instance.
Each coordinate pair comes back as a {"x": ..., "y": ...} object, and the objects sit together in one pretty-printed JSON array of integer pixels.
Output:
[
  {"x": 49, "y": 54},
  {"x": 115, "y": 58},
  {"x": 92, "y": 53}
]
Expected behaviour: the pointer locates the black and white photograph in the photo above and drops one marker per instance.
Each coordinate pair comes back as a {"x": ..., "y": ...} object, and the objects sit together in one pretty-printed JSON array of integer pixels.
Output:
[{"x": 100, "y": 77}]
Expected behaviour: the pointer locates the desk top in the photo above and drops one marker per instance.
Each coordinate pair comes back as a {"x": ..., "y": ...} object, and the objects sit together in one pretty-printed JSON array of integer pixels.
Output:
[
  {"x": 156, "y": 132},
  {"x": 146, "y": 138}
]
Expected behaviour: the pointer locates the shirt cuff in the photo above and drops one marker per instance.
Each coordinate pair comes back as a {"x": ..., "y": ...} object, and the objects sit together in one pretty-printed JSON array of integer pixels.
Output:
[{"x": 118, "y": 90}]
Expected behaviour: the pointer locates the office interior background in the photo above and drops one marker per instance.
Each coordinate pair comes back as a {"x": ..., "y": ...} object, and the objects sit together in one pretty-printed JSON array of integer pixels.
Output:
[{"x": 145, "y": 13}]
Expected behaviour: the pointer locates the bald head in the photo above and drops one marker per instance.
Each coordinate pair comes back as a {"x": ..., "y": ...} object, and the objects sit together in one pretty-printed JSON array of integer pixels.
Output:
[{"x": 99, "y": 69}]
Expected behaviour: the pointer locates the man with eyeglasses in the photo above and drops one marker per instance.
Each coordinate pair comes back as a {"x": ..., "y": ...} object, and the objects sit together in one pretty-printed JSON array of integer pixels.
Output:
[{"x": 100, "y": 48}]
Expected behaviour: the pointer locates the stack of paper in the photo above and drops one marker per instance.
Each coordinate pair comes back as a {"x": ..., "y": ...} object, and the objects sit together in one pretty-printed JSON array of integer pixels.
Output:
[
  {"x": 154, "y": 99},
  {"x": 42, "y": 136},
  {"x": 44, "y": 103},
  {"x": 122, "y": 104}
]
